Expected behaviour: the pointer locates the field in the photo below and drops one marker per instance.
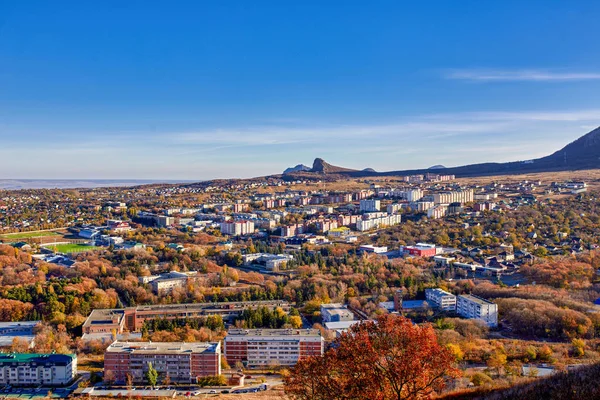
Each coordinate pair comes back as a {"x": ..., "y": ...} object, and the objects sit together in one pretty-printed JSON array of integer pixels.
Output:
[
  {"x": 28, "y": 235},
  {"x": 71, "y": 248}
]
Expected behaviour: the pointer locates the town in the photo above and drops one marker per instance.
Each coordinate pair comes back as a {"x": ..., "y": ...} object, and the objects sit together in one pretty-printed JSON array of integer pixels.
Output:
[{"x": 221, "y": 287}]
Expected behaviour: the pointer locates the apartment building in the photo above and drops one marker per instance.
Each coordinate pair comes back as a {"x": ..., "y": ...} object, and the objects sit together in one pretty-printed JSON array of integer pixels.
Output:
[
  {"x": 263, "y": 347},
  {"x": 373, "y": 205},
  {"x": 25, "y": 369},
  {"x": 335, "y": 312},
  {"x": 441, "y": 299},
  {"x": 373, "y": 223},
  {"x": 180, "y": 362},
  {"x": 460, "y": 196},
  {"x": 439, "y": 211},
  {"x": 470, "y": 306},
  {"x": 132, "y": 319},
  {"x": 237, "y": 228}
]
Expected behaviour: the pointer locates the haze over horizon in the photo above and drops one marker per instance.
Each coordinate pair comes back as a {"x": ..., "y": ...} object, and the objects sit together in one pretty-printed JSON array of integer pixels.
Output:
[{"x": 198, "y": 91}]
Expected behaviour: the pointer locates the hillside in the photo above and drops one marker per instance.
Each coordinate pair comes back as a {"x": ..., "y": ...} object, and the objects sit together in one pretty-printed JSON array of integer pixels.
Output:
[{"x": 583, "y": 153}]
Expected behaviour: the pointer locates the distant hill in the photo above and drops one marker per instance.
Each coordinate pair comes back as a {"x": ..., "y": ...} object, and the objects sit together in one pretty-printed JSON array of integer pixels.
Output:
[
  {"x": 583, "y": 153},
  {"x": 297, "y": 168}
]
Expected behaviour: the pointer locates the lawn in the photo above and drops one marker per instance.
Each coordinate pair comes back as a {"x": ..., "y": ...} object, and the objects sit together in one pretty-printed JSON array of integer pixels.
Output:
[
  {"x": 71, "y": 248},
  {"x": 28, "y": 235}
]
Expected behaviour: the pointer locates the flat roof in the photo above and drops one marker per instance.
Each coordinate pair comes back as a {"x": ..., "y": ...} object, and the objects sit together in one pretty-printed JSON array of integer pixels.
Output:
[
  {"x": 41, "y": 358},
  {"x": 272, "y": 332},
  {"x": 163, "y": 347},
  {"x": 476, "y": 299}
]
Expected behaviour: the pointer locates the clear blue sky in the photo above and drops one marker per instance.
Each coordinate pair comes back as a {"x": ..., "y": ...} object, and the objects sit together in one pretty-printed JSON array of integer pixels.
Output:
[{"x": 207, "y": 89}]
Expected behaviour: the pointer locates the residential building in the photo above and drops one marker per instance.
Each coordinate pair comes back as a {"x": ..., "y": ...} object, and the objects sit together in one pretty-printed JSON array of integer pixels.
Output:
[
  {"x": 460, "y": 196},
  {"x": 474, "y": 307},
  {"x": 439, "y": 211},
  {"x": 237, "y": 228},
  {"x": 180, "y": 362},
  {"x": 335, "y": 312},
  {"x": 373, "y": 223},
  {"x": 264, "y": 347},
  {"x": 372, "y": 205},
  {"x": 31, "y": 369},
  {"x": 441, "y": 299}
]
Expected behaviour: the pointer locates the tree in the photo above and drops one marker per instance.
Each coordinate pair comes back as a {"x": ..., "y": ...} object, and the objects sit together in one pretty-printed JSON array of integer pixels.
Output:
[
  {"x": 151, "y": 375},
  {"x": 388, "y": 359}
]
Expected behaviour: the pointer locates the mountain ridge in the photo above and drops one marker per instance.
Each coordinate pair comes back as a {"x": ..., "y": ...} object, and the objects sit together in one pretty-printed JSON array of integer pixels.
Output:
[{"x": 582, "y": 153}]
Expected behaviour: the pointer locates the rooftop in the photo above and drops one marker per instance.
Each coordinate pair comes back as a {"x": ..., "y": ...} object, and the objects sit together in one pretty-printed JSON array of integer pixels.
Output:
[
  {"x": 476, "y": 299},
  {"x": 37, "y": 358},
  {"x": 273, "y": 332},
  {"x": 164, "y": 347}
]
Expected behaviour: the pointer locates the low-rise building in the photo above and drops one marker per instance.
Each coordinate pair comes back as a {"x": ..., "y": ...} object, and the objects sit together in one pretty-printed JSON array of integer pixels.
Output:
[
  {"x": 272, "y": 262},
  {"x": 180, "y": 362},
  {"x": 470, "y": 306},
  {"x": 31, "y": 369},
  {"x": 335, "y": 312},
  {"x": 22, "y": 330},
  {"x": 264, "y": 347}
]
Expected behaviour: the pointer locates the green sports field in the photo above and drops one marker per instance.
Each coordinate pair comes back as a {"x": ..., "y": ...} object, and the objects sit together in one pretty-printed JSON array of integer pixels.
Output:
[
  {"x": 71, "y": 248},
  {"x": 28, "y": 235}
]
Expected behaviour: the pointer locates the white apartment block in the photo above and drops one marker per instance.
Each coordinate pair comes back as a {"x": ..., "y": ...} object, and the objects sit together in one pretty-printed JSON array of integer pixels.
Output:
[
  {"x": 474, "y": 307},
  {"x": 373, "y": 205},
  {"x": 439, "y": 211},
  {"x": 237, "y": 228},
  {"x": 264, "y": 347},
  {"x": 441, "y": 299},
  {"x": 23, "y": 369},
  {"x": 394, "y": 208},
  {"x": 459, "y": 196},
  {"x": 414, "y": 195},
  {"x": 373, "y": 223}
]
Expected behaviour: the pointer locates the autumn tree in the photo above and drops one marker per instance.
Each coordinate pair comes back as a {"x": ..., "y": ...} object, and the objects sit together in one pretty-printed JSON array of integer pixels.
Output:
[{"x": 388, "y": 359}]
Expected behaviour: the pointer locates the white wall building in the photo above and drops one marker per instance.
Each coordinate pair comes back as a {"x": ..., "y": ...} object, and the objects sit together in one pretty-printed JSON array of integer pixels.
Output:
[
  {"x": 373, "y": 205},
  {"x": 441, "y": 299},
  {"x": 264, "y": 347},
  {"x": 373, "y": 223},
  {"x": 474, "y": 307},
  {"x": 237, "y": 228},
  {"x": 23, "y": 369}
]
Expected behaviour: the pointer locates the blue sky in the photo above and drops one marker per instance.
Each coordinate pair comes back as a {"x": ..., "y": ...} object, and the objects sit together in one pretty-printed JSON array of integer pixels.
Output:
[{"x": 199, "y": 89}]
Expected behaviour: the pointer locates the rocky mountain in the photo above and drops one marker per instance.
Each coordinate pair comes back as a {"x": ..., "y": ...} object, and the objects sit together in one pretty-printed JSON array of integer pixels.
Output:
[
  {"x": 297, "y": 168},
  {"x": 583, "y": 153},
  {"x": 322, "y": 167}
]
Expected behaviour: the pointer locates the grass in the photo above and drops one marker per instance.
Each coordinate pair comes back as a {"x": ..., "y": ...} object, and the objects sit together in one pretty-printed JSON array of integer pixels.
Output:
[
  {"x": 71, "y": 248},
  {"x": 28, "y": 235}
]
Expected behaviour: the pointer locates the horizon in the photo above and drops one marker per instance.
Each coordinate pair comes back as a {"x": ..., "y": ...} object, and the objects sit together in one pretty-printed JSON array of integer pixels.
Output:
[{"x": 212, "y": 91}]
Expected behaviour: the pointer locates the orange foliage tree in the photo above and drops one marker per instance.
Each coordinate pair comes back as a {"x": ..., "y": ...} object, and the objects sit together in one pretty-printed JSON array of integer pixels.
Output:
[{"x": 388, "y": 359}]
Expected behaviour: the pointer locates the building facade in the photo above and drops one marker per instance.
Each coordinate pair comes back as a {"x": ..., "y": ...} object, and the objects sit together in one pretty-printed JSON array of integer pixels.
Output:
[
  {"x": 264, "y": 347},
  {"x": 474, "y": 307},
  {"x": 132, "y": 319},
  {"x": 441, "y": 299},
  {"x": 24, "y": 369},
  {"x": 180, "y": 362}
]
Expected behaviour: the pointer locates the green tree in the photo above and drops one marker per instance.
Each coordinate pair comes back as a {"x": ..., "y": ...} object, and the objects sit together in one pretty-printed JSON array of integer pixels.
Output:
[{"x": 151, "y": 375}]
